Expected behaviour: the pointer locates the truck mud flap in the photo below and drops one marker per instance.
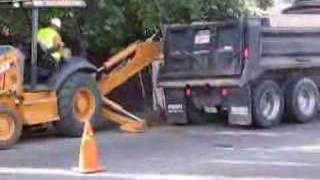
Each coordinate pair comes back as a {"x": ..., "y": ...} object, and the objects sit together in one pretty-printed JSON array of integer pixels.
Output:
[
  {"x": 175, "y": 106},
  {"x": 239, "y": 107}
]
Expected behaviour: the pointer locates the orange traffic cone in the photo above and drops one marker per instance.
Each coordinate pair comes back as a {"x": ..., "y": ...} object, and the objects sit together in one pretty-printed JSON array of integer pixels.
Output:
[{"x": 89, "y": 161}]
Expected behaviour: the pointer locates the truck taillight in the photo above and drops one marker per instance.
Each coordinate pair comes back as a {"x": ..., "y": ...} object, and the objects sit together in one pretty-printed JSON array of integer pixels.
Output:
[
  {"x": 188, "y": 92},
  {"x": 224, "y": 92},
  {"x": 246, "y": 53}
]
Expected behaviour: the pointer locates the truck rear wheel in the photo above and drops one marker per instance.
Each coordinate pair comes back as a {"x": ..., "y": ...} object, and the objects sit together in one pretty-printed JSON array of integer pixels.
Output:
[
  {"x": 268, "y": 104},
  {"x": 302, "y": 99},
  {"x": 79, "y": 98},
  {"x": 10, "y": 127}
]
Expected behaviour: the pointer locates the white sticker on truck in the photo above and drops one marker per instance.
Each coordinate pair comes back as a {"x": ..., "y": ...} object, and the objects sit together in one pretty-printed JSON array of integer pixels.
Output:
[
  {"x": 242, "y": 111},
  {"x": 175, "y": 108},
  {"x": 202, "y": 37}
]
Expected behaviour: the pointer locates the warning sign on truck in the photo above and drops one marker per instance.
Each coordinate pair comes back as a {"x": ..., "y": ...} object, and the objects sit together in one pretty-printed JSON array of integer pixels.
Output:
[{"x": 202, "y": 37}]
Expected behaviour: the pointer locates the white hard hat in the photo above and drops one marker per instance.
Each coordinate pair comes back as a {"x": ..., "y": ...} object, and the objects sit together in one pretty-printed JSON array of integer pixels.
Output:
[{"x": 56, "y": 22}]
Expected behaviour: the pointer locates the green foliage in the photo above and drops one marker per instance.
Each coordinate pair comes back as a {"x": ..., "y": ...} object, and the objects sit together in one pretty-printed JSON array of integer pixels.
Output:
[
  {"x": 108, "y": 25},
  {"x": 264, "y": 3}
]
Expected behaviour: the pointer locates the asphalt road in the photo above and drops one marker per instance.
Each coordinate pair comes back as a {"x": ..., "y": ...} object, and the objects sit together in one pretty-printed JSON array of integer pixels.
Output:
[{"x": 176, "y": 153}]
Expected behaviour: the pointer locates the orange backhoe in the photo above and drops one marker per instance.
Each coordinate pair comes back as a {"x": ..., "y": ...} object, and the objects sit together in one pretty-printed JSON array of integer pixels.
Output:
[{"x": 33, "y": 94}]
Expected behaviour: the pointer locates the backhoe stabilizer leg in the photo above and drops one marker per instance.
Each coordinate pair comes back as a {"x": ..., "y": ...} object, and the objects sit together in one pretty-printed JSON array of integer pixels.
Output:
[{"x": 126, "y": 124}]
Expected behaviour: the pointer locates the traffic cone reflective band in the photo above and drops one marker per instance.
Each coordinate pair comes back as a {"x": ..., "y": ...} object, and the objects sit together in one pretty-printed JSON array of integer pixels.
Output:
[{"x": 89, "y": 161}]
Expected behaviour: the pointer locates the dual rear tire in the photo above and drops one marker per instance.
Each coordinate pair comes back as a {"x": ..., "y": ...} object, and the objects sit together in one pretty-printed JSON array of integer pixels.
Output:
[
  {"x": 299, "y": 100},
  {"x": 302, "y": 97}
]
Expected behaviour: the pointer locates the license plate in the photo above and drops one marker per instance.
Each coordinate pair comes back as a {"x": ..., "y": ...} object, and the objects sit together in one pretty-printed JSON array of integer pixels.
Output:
[{"x": 211, "y": 110}]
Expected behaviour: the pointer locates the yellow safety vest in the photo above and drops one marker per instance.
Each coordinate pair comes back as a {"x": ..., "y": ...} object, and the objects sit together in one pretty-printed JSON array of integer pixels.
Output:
[{"x": 46, "y": 38}]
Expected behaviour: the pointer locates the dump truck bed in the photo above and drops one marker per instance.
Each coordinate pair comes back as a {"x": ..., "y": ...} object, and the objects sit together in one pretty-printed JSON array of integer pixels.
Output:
[
  {"x": 295, "y": 20},
  {"x": 286, "y": 48},
  {"x": 237, "y": 51}
]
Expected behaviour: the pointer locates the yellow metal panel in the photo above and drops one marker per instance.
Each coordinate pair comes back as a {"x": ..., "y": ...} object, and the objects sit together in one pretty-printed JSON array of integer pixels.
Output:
[
  {"x": 7, "y": 100},
  {"x": 39, "y": 108},
  {"x": 10, "y": 73}
]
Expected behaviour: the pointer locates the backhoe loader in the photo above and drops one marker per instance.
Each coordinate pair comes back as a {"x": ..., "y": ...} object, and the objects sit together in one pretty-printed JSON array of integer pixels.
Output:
[{"x": 33, "y": 93}]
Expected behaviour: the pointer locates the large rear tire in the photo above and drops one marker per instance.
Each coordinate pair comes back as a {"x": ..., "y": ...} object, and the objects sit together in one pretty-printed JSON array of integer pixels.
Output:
[
  {"x": 302, "y": 98},
  {"x": 268, "y": 104},
  {"x": 10, "y": 127},
  {"x": 79, "y": 98}
]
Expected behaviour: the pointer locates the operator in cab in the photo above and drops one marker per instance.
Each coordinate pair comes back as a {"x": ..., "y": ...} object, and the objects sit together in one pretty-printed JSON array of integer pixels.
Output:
[{"x": 51, "y": 42}]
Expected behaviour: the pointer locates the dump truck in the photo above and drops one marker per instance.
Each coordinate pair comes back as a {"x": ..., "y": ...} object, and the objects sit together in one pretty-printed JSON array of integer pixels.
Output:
[
  {"x": 255, "y": 71},
  {"x": 35, "y": 91}
]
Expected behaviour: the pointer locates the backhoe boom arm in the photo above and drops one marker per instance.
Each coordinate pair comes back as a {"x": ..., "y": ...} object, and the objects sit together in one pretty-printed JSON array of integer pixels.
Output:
[{"x": 118, "y": 70}]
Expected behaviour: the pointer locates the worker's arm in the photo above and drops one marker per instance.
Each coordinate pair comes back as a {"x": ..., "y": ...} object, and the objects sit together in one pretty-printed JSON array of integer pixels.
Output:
[{"x": 58, "y": 43}]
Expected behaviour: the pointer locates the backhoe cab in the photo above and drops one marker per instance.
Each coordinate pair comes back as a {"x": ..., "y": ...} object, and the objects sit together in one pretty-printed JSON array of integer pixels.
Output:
[{"x": 67, "y": 97}]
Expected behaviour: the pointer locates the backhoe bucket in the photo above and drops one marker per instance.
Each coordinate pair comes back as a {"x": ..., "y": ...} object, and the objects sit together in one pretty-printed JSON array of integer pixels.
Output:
[{"x": 128, "y": 122}]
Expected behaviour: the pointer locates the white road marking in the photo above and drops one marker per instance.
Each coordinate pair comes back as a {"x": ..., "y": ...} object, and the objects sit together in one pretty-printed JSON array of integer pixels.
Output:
[
  {"x": 310, "y": 148},
  {"x": 264, "y": 163},
  {"x": 127, "y": 176},
  {"x": 253, "y": 133},
  {"x": 295, "y": 149},
  {"x": 261, "y": 149}
]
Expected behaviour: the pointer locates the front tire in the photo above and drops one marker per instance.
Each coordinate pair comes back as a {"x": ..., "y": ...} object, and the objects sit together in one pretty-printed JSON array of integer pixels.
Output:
[
  {"x": 79, "y": 98},
  {"x": 268, "y": 104},
  {"x": 10, "y": 127},
  {"x": 302, "y": 99}
]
